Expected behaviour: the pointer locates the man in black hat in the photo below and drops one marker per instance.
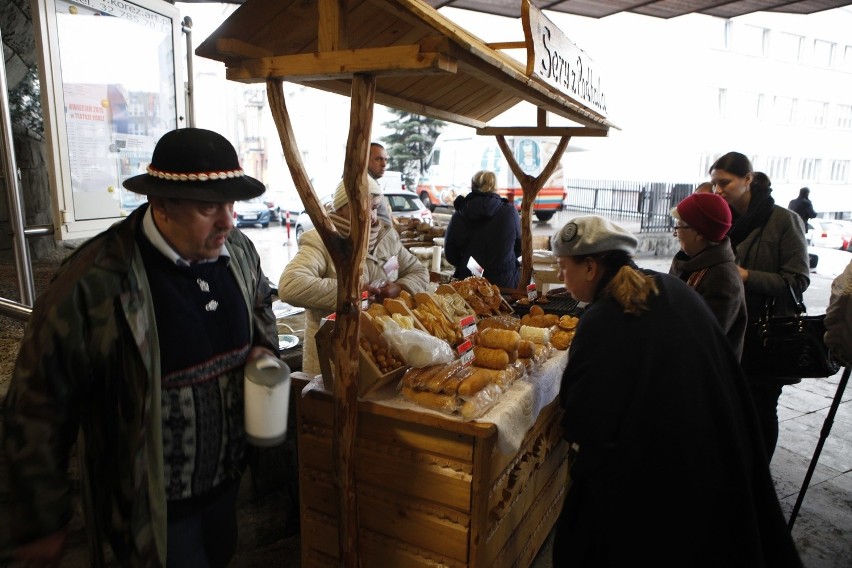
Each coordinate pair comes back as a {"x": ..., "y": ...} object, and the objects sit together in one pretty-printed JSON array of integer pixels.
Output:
[{"x": 139, "y": 345}]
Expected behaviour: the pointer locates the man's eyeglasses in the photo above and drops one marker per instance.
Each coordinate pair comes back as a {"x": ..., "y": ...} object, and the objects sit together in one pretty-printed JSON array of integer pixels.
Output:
[{"x": 680, "y": 228}]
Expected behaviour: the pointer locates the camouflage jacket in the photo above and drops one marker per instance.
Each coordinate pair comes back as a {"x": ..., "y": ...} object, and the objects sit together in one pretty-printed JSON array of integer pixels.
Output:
[{"x": 89, "y": 363}]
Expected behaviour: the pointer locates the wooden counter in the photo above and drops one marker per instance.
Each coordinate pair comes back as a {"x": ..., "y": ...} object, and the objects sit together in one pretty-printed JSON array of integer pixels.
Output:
[{"x": 431, "y": 491}]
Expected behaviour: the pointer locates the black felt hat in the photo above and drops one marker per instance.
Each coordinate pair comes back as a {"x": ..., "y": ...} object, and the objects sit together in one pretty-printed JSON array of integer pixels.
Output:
[{"x": 193, "y": 163}]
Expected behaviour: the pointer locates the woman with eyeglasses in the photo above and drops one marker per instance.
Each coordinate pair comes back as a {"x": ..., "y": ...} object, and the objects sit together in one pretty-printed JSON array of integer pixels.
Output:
[
  {"x": 667, "y": 464},
  {"x": 706, "y": 261},
  {"x": 772, "y": 255}
]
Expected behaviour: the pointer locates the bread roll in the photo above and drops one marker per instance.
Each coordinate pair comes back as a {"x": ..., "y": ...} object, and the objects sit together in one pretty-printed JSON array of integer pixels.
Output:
[
  {"x": 526, "y": 348},
  {"x": 443, "y": 402},
  {"x": 451, "y": 385},
  {"x": 504, "y": 339},
  {"x": 490, "y": 358},
  {"x": 478, "y": 380},
  {"x": 436, "y": 382}
]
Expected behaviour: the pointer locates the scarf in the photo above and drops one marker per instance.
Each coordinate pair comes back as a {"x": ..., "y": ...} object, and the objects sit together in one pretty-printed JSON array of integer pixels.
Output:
[
  {"x": 755, "y": 217},
  {"x": 343, "y": 225}
]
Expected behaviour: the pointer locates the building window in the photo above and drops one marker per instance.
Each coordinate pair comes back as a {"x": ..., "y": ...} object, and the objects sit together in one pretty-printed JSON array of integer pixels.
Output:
[
  {"x": 784, "y": 110},
  {"x": 704, "y": 164},
  {"x": 722, "y": 102},
  {"x": 844, "y": 117},
  {"x": 815, "y": 113},
  {"x": 823, "y": 53},
  {"x": 750, "y": 40},
  {"x": 777, "y": 168},
  {"x": 839, "y": 171},
  {"x": 846, "y": 65},
  {"x": 809, "y": 169},
  {"x": 743, "y": 105},
  {"x": 788, "y": 47}
]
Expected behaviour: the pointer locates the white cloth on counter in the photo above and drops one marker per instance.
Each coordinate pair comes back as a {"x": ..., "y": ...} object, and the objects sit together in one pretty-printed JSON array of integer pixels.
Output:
[{"x": 515, "y": 412}]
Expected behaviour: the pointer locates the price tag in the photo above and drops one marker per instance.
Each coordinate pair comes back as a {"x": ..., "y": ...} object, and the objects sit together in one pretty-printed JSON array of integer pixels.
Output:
[
  {"x": 532, "y": 293},
  {"x": 465, "y": 351},
  {"x": 364, "y": 302},
  {"x": 468, "y": 326}
]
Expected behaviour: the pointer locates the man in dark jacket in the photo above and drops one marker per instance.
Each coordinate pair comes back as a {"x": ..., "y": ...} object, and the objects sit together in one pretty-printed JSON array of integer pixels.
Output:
[
  {"x": 487, "y": 228},
  {"x": 803, "y": 206},
  {"x": 139, "y": 343}
]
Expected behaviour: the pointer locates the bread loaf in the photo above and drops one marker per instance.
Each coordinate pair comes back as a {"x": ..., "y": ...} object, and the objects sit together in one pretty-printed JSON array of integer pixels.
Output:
[
  {"x": 443, "y": 402},
  {"x": 436, "y": 382},
  {"x": 478, "y": 380},
  {"x": 490, "y": 358},
  {"x": 504, "y": 339}
]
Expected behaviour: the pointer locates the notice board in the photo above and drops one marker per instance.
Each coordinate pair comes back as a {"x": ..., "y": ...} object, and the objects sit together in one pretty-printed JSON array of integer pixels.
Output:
[{"x": 110, "y": 87}]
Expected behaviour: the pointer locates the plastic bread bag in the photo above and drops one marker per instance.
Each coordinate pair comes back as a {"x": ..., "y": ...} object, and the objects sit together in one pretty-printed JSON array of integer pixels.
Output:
[
  {"x": 446, "y": 403},
  {"x": 417, "y": 348},
  {"x": 481, "y": 402}
]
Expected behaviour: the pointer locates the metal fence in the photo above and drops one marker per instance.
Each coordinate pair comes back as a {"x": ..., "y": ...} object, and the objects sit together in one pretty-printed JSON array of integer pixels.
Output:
[{"x": 650, "y": 203}]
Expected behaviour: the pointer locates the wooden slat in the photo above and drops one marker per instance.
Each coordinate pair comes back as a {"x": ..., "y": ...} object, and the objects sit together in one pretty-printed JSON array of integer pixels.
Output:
[
  {"x": 332, "y": 21},
  {"x": 238, "y": 48},
  {"x": 543, "y": 131},
  {"x": 343, "y": 64}
]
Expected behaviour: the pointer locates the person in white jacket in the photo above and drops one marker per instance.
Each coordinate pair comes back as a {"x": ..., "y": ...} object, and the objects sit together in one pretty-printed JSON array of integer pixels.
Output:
[
  {"x": 838, "y": 317},
  {"x": 310, "y": 280}
]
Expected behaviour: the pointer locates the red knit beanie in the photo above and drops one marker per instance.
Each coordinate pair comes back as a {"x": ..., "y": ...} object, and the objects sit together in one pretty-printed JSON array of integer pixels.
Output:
[{"x": 707, "y": 213}]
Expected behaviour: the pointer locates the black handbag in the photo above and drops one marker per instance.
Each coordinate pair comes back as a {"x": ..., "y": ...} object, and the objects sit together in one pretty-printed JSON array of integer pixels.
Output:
[{"x": 787, "y": 346}]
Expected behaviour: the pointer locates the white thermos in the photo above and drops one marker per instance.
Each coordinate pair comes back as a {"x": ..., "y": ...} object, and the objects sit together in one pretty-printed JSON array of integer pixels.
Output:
[{"x": 267, "y": 396}]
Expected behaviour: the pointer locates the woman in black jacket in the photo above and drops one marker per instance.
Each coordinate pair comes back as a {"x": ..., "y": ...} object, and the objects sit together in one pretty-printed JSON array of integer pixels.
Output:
[
  {"x": 772, "y": 255},
  {"x": 487, "y": 228}
]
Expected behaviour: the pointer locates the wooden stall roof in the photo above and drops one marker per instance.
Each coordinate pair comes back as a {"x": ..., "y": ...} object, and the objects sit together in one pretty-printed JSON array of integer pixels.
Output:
[{"x": 424, "y": 63}]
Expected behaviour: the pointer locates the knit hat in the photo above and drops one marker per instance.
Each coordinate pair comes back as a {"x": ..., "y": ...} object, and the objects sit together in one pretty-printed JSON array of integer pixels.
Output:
[
  {"x": 707, "y": 213},
  {"x": 340, "y": 198},
  {"x": 193, "y": 163},
  {"x": 590, "y": 235}
]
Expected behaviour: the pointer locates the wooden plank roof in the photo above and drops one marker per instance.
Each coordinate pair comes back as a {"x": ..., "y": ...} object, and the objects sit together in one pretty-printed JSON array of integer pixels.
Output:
[
  {"x": 424, "y": 63},
  {"x": 659, "y": 8}
]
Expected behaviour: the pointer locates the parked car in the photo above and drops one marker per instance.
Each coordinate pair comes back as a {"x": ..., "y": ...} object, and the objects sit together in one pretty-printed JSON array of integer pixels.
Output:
[
  {"x": 825, "y": 233},
  {"x": 845, "y": 233},
  {"x": 273, "y": 200},
  {"x": 403, "y": 204},
  {"x": 251, "y": 212}
]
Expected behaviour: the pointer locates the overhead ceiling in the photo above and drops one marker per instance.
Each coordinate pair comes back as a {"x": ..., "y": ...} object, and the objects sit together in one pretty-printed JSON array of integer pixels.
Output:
[{"x": 659, "y": 9}]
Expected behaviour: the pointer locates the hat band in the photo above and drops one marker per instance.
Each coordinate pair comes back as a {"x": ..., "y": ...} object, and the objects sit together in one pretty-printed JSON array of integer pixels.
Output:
[{"x": 199, "y": 176}]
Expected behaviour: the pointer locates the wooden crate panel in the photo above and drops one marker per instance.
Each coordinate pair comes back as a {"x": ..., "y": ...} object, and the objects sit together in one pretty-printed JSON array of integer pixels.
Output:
[
  {"x": 416, "y": 475},
  {"x": 518, "y": 517},
  {"x": 418, "y": 436},
  {"x": 522, "y": 546},
  {"x": 426, "y": 526}
]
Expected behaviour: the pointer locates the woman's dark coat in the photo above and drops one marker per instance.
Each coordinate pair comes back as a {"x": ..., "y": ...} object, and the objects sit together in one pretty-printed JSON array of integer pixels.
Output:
[
  {"x": 488, "y": 228},
  {"x": 721, "y": 287},
  {"x": 670, "y": 469}
]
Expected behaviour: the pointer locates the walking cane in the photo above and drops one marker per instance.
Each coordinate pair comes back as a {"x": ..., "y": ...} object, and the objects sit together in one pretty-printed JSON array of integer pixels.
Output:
[{"x": 826, "y": 428}]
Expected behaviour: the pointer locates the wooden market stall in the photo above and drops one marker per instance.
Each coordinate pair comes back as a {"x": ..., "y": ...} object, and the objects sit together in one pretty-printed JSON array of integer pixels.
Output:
[{"x": 404, "y": 54}]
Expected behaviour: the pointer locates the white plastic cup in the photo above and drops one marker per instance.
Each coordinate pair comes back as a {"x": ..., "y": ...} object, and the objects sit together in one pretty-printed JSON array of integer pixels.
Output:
[{"x": 267, "y": 399}]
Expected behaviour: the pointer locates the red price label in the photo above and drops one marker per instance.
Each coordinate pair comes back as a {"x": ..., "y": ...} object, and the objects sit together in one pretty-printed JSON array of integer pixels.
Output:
[
  {"x": 364, "y": 302},
  {"x": 468, "y": 326},
  {"x": 465, "y": 351},
  {"x": 532, "y": 294}
]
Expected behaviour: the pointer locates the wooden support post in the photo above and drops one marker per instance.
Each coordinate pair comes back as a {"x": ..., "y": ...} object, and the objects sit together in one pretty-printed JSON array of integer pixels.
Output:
[
  {"x": 349, "y": 273},
  {"x": 348, "y": 254},
  {"x": 531, "y": 186}
]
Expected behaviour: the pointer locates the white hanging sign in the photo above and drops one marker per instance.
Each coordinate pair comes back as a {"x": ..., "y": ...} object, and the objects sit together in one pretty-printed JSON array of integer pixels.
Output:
[{"x": 557, "y": 61}]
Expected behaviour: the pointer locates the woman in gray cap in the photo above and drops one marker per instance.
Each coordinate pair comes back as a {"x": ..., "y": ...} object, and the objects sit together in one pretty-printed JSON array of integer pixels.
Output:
[{"x": 667, "y": 462}]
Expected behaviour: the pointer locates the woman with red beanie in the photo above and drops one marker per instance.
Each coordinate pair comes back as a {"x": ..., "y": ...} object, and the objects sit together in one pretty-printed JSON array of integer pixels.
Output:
[{"x": 706, "y": 261}]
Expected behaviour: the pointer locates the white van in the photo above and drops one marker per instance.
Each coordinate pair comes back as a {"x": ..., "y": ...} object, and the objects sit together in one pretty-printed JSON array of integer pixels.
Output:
[{"x": 392, "y": 181}]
